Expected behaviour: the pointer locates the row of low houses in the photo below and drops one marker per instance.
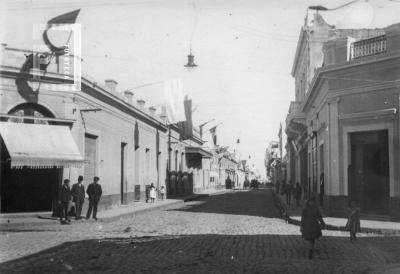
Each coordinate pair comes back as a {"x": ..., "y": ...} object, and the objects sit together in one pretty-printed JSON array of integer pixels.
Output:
[
  {"x": 343, "y": 137},
  {"x": 50, "y": 132}
]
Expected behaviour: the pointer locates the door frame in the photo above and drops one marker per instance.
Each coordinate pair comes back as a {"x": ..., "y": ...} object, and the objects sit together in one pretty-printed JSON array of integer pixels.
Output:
[
  {"x": 346, "y": 152},
  {"x": 361, "y": 150}
]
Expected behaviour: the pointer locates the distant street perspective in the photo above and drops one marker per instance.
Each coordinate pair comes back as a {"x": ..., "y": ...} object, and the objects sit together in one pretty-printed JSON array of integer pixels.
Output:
[{"x": 236, "y": 232}]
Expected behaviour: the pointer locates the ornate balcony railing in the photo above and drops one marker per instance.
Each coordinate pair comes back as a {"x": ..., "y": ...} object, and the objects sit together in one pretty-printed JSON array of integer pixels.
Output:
[{"x": 368, "y": 47}]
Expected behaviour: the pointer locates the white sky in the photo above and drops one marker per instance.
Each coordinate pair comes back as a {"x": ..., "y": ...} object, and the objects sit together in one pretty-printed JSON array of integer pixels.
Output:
[{"x": 244, "y": 49}]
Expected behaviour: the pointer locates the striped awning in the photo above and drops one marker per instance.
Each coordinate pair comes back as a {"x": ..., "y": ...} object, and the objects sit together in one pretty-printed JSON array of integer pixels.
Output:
[{"x": 40, "y": 146}]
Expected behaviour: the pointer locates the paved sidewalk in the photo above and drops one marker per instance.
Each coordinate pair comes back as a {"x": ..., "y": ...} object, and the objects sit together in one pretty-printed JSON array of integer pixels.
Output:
[
  {"x": 12, "y": 220},
  {"x": 8, "y": 221},
  {"x": 293, "y": 215}
]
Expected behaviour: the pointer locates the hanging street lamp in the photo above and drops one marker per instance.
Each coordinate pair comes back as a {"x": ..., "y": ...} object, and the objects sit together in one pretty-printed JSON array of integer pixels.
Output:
[{"x": 190, "y": 63}]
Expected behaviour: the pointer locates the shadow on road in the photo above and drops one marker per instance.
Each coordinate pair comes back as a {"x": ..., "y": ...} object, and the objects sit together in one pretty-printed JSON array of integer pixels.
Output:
[
  {"x": 210, "y": 254},
  {"x": 252, "y": 203}
]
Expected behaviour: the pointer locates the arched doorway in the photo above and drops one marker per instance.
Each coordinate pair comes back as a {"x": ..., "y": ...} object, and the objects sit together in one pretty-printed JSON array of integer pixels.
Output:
[{"x": 28, "y": 189}]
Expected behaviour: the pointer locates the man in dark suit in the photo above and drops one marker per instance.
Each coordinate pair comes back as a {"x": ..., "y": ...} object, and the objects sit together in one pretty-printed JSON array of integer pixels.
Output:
[
  {"x": 78, "y": 194},
  {"x": 65, "y": 198},
  {"x": 94, "y": 191}
]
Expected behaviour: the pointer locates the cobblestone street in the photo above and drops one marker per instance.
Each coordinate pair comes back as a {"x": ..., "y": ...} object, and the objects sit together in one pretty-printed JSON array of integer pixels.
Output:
[{"x": 231, "y": 233}]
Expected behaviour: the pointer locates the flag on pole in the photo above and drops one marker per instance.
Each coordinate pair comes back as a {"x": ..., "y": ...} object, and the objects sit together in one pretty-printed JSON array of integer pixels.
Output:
[
  {"x": 173, "y": 94},
  {"x": 67, "y": 18},
  {"x": 136, "y": 136},
  {"x": 213, "y": 132},
  {"x": 186, "y": 127}
]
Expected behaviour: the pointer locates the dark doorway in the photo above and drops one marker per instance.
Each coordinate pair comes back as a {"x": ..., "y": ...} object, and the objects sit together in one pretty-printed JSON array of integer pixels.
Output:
[
  {"x": 29, "y": 190},
  {"x": 369, "y": 171},
  {"x": 123, "y": 173}
]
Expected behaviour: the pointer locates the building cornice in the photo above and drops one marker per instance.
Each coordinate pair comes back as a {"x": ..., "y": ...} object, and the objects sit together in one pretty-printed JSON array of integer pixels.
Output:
[
  {"x": 105, "y": 96},
  {"x": 318, "y": 76},
  {"x": 94, "y": 90}
]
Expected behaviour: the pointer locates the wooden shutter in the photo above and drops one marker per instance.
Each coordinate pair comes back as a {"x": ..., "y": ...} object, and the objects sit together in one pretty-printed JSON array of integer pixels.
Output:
[{"x": 90, "y": 158}]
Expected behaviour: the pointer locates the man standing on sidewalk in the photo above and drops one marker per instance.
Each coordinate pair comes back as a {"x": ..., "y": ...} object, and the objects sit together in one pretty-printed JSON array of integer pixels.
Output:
[
  {"x": 78, "y": 194},
  {"x": 65, "y": 198},
  {"x": 94, "y": 191}
]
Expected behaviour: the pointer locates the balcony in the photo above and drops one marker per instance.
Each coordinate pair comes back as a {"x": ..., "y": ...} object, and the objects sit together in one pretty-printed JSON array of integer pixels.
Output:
[
  {"x": 368, "y": 47},
  {"x": 295, "y": 112},
  {"x": 295, "y": 120}
]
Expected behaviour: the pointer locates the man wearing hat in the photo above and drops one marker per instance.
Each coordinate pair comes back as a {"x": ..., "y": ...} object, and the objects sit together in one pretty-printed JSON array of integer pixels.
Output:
[
  {"x": 94, "y": 191},
  {"x": 65, "y": 198},
  {"x": 78, "y": 194}
]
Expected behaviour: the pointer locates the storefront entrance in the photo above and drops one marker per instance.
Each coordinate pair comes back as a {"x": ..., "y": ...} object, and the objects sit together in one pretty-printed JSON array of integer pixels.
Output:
[
  {"x": 29, "y": 190},
  {"x": 369, "y": 171},
  {"x": 33, "y": 157}
]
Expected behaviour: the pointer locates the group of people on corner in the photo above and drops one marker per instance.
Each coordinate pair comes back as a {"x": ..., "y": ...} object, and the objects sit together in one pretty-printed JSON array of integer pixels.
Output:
[
  {"x": 76, "y": 196},
  {"x": 151, "y": 193}
]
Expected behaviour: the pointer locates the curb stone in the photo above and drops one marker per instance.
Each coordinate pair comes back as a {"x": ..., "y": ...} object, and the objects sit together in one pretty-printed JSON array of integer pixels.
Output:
[{"x": 106, "y": 219}]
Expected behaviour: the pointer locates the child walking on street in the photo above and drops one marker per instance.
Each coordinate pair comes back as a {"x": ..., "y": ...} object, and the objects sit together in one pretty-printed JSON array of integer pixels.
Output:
[
  {"x": 311, "y": 222},
  {"x": 353, "y": 221}
]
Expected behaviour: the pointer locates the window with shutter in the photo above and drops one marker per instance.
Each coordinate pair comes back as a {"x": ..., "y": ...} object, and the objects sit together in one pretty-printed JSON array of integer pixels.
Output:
[{"x": 90, "y": 158}]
